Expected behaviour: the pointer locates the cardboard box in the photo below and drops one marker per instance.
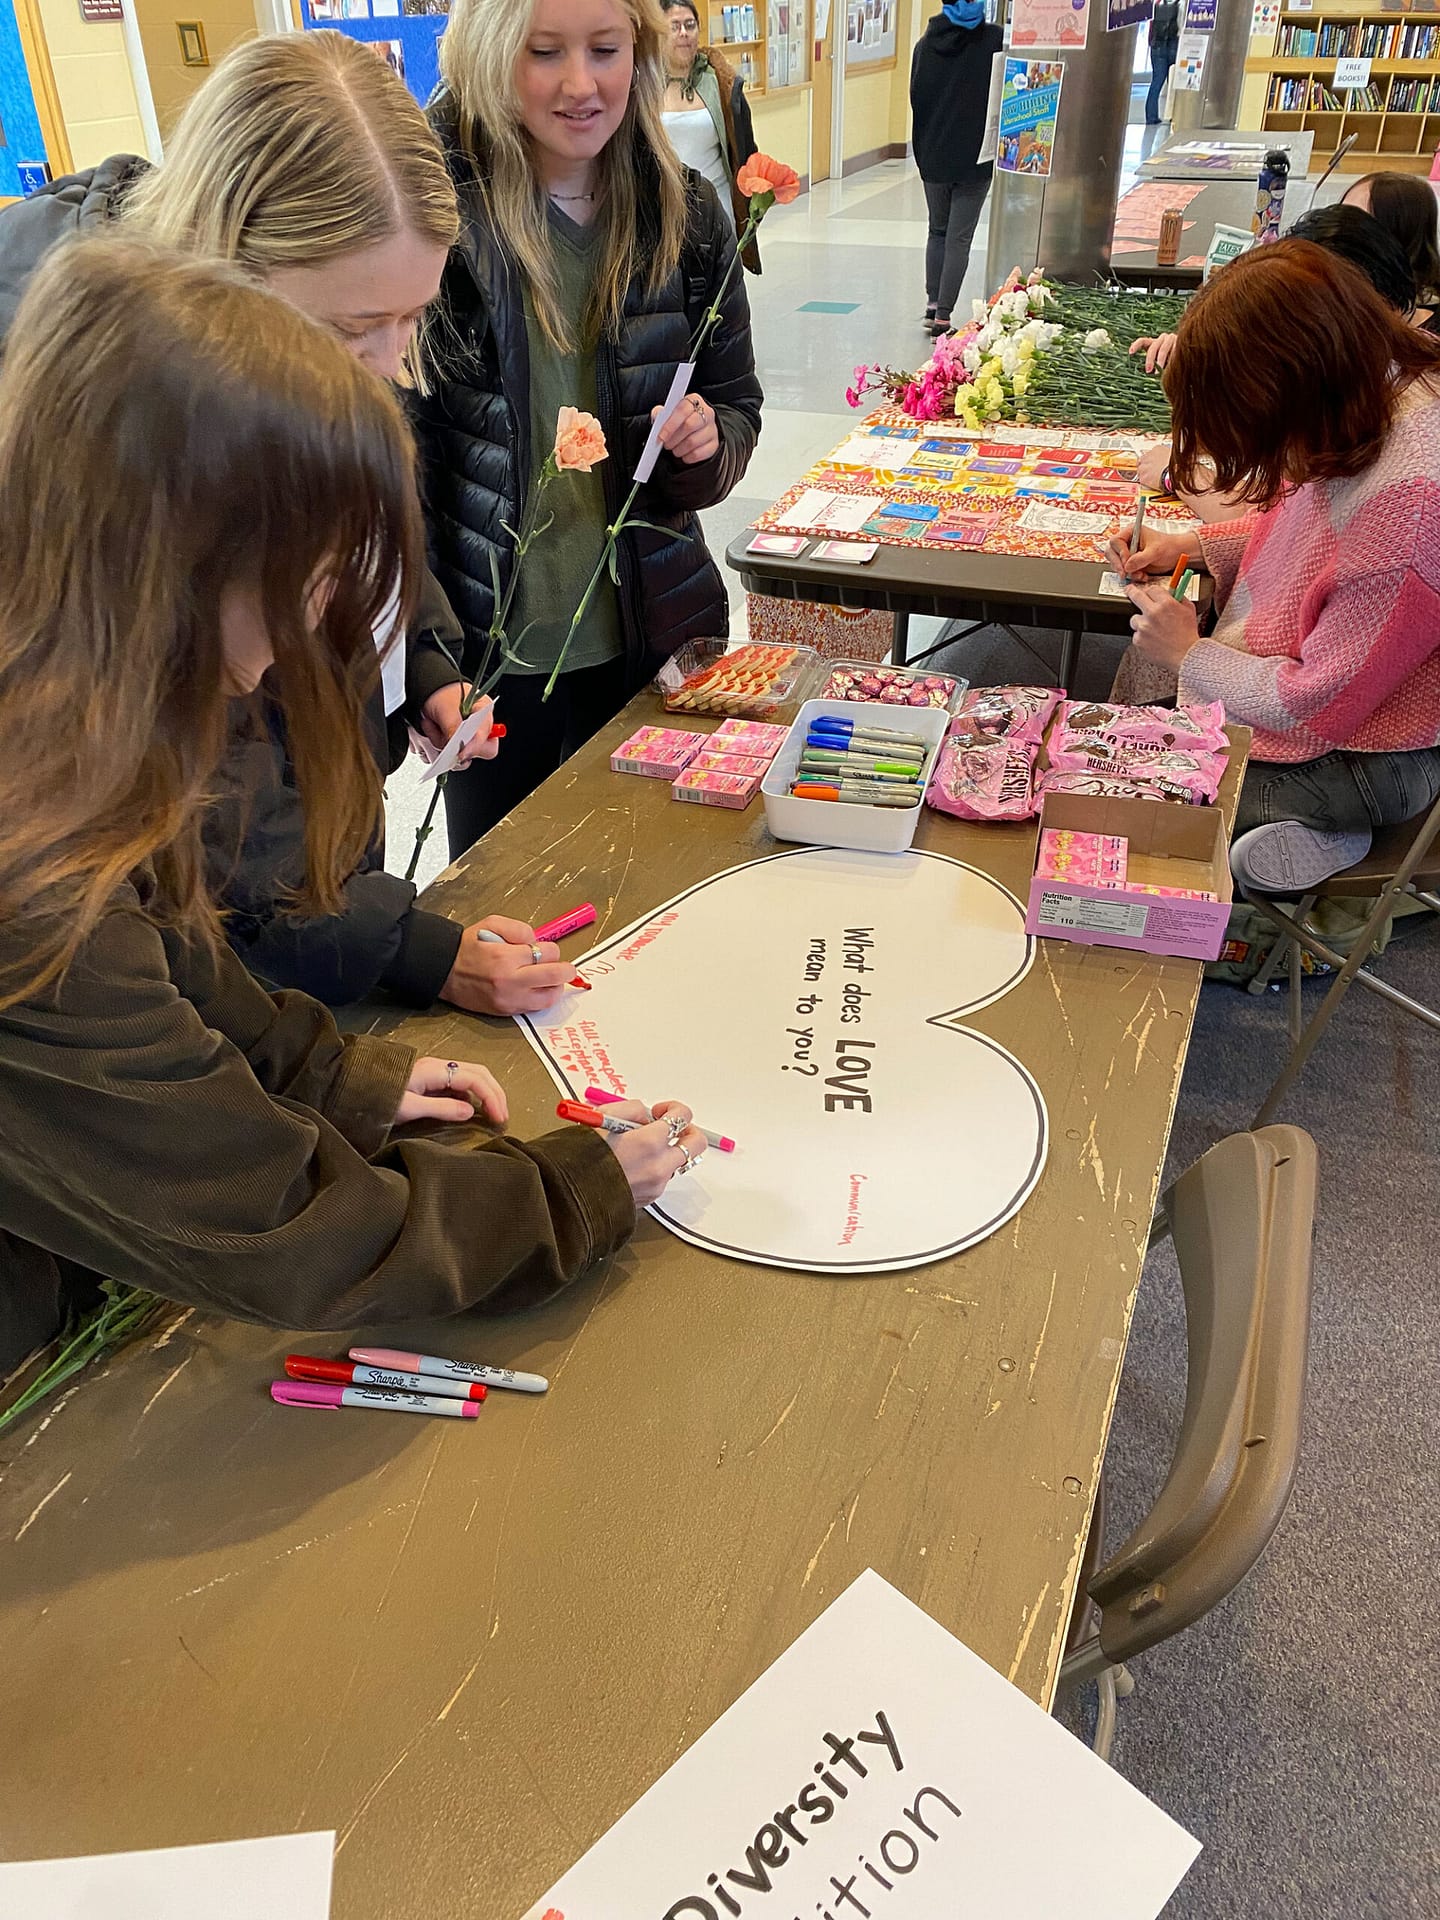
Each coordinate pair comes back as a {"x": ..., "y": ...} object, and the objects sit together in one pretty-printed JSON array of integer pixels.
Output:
[{"x": 1169, "y": 846}]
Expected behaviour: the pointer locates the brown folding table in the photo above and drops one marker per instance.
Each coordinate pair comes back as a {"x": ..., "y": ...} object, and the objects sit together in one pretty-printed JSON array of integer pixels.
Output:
[
  {"x": 468, "y": 1649},
  {"x": 998, "y": 589}
]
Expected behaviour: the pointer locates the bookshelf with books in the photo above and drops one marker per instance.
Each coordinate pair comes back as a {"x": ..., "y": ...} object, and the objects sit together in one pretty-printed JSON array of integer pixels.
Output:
[
  {"x": 1395, "y": 112},
  {"x": 767, "y": 43}
]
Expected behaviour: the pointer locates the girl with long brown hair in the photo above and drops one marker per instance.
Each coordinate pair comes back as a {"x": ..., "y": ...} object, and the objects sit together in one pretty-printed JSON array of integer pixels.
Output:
[
  {"x": 305, "y": 161},
  {"x": 1315, "y": 405},
  {"x": 201, "y": 488},
  {"x": 587, "y": 256}
]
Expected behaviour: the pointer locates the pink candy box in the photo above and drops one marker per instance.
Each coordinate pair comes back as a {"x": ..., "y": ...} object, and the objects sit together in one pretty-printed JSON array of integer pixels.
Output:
[
  {"x": 741, "y": 763},
  {"x": 1013, "y": 713},
  {"x": 1168, "y": 893},
  {"x": 755, "y": 737},
  {"x": 706, "y": 788},
  {"x": 658, "y": 752},
  {"x": 1194, "y": 729},
  {"x": 1090, "y": 859},
  {"x": 984, "y": 780}
]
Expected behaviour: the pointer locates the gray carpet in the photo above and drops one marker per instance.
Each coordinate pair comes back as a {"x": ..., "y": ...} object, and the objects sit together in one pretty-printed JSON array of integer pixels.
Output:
[{"x": 1296, "y": 1730}]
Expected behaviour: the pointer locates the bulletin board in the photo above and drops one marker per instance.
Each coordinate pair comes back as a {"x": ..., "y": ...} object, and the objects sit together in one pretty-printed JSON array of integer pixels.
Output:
[
  {"x": 870, "y": 32},
  {"x": 404, "y": 33}
]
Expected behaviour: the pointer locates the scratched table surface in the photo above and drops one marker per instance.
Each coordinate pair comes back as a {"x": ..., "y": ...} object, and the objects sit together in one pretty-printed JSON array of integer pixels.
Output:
[{"x": 468, "y": 1649}]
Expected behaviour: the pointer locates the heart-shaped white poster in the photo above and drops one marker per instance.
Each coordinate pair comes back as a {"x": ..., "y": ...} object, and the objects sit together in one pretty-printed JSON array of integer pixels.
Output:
[{"x": 809, "y": 1006}]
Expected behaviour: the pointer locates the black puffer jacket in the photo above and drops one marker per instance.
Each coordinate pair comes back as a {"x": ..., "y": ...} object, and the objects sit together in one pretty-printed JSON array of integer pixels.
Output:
[
  {"x": 255, "y": 836},
  {"x": 474, "y": 424}
]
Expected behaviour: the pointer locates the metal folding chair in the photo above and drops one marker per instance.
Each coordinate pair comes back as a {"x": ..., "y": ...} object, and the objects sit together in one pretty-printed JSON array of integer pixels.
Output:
[
  {"x": 1402, "y": 860},
  {"x": 1242, "y": 1221}
]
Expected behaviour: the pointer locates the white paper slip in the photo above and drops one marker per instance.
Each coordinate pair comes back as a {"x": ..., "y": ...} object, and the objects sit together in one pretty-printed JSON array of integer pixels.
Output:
[
  {"x": 832, "y": 512},
  {"x": 229, "y": 1880},
  {"x": 872, "y": 450},
  {"x": 444, "y": 761},
  {"x": 1113, "y": 587},
  {"x": 390, "y": 645},
  {"x": 1038, "y": 517},
  {"x": 850, "y": 553},
  {"x": 679, "y": 387},
  {"x": 879, "y": 1765}
]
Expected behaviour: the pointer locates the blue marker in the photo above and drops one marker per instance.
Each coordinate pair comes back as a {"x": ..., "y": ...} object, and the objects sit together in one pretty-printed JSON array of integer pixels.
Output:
[
  {"x": 831, "y": 723},
  {"x": 865, "y": 743}
]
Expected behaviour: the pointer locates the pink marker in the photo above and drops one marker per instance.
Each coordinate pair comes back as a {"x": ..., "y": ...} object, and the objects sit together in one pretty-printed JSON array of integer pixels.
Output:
[
  {"x": 567, "y": 923},
  {"x": 313, "y": 1393},
  {"x": 423, "y": 1363},
  {"x": 598, "y": 1097}
]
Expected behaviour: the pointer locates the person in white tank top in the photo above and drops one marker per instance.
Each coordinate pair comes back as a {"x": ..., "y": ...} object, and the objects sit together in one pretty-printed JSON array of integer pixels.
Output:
[{"x": 706, "y": 114}]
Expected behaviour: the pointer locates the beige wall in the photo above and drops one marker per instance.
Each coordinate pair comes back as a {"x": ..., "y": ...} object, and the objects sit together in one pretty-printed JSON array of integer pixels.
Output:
[
  {"x": 226, "y": 23},
  {"x": 877, "y": 102},
  {"x": 92, "y": 78},
  {"x": 782, "y": 127}
]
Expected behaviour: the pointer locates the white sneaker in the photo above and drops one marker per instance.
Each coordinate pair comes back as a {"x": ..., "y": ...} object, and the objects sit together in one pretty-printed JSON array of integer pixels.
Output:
[{"x": 1290, "y": 859}]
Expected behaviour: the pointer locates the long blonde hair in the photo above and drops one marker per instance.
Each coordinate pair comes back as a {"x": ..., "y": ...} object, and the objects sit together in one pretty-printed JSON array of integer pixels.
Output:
[
  {"x": 168, "y": 431},
  {"x": 299, "y": 148},
  {"x": 643, "y": 214}
]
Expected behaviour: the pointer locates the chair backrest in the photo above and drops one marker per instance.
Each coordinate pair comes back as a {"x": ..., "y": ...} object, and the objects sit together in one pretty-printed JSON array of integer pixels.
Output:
[{"x": 1242, "y": 1220}]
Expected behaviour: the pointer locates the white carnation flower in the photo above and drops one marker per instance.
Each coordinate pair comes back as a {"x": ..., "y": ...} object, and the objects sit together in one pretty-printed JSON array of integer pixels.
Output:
[
  {"x": 1096, "y": 341},
  {"x": 971, "y": 359}
]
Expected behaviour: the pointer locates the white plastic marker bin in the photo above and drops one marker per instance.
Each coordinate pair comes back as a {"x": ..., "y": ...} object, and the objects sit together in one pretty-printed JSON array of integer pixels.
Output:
[{"x": 838, "y": 823}]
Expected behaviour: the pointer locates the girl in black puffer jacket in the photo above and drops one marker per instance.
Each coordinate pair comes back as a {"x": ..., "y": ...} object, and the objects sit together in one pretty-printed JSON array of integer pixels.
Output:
[{"x": 586, "y": 259}]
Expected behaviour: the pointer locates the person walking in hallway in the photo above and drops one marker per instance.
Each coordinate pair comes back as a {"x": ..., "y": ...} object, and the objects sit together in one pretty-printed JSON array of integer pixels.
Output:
[
  {"x": 949, "y": 91},
  {"x": 1164, "y": 43}
]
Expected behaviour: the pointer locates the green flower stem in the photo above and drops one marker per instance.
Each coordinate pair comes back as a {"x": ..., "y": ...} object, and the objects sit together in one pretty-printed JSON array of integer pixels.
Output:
[
  {"x": 760, "y": 205},
  {"x": 122, "y": 1313},
  {"x": 486, "y": 678},
  {"x": 612, "y": 535}
]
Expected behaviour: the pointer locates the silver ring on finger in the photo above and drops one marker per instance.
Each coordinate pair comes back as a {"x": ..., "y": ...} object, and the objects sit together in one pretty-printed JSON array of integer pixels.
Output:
[
  {"x": 677, "y": 1125},
  {"x": 452, "y": 1067},
  {"x": 536, "y": 956},
  {"x": 687, "y": 1161}
]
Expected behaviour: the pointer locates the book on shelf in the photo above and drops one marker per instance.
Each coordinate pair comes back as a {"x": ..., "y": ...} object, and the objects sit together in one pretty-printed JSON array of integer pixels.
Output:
[{"x": 1370, "y": 40}]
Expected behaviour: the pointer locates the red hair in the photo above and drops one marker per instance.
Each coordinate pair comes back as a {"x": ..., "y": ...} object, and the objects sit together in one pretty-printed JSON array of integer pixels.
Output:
[{"x": 1288, "y": 367}]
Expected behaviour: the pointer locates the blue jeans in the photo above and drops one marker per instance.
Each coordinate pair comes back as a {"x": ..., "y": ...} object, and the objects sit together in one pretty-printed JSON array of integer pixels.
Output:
[
  {"x": 1340, "y": 792},
  {"x": 1162, "y": 59}
]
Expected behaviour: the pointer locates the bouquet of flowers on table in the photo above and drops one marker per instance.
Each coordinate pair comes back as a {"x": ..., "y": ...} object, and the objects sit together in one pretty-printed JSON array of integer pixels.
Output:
[
  {"x": 1040, "y": 353},
  {"x": 977, "y": 372}
]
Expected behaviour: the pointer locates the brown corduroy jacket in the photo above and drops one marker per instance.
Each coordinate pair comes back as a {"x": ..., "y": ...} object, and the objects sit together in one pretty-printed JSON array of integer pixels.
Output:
[{"x": 166, "y": 1123}]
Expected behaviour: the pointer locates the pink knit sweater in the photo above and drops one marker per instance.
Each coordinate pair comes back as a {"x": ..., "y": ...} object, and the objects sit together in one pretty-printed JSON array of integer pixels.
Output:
[{"x": 1329, "y": 630}]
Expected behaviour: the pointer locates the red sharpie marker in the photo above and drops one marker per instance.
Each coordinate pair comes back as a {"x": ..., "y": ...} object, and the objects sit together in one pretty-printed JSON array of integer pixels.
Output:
[
  {"x": 599, "y": 1097},
  {"x": 345, "y": 1373}
]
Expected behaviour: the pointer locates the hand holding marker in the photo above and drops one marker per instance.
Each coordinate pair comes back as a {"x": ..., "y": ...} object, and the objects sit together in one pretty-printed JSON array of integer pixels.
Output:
[
  {"x": 599, "y": 1097},
  {"x": 552, "y": 930},
  {"x": 644, "y": 1140}
]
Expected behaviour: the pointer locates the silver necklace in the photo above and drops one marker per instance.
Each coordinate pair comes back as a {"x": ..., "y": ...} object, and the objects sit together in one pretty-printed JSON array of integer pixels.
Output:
[{"x": 565, "y": 198}]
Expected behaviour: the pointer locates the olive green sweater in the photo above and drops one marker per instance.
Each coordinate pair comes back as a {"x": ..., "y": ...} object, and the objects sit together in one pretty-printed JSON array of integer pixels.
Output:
[{"x": 166, "y": 1123}]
